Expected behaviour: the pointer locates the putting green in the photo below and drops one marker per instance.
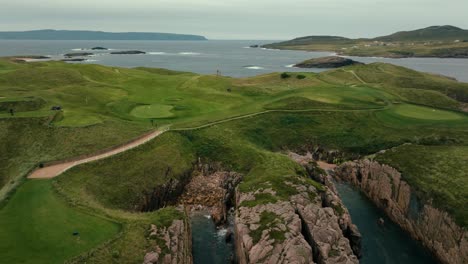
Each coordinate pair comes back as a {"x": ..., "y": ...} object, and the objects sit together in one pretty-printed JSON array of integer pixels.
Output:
[
  {"x": 36, "y": 226},
  {"x": 152, "y": 111},
  {"x": 426, "y": 113}
]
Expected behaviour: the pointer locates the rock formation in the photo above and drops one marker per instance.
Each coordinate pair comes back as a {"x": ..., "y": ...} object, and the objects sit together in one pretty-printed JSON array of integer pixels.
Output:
[
  {"x": 173, "y": 244},
  {"x": 214, "y": 190},
  {"x": 327, "y": 62},
  {"x": 433, "y": 227},
  {"x": 78, "y": 54},
  {"x": 311, "y": 226},
  {"x": 128, "y": 52}
]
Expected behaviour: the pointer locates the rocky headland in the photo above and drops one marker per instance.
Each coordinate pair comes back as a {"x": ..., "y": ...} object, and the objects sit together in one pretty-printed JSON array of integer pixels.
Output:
[
  {"x": 312, "y": 226},
  {"x": 433, "y": 227},
  {"x": 327, "y": 62}
]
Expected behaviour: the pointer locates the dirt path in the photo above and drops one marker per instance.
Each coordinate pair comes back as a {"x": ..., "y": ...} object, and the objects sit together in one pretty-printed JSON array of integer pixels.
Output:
[
  {"x": 357, "y": 76},
  {"x": 57, "y": 169}
]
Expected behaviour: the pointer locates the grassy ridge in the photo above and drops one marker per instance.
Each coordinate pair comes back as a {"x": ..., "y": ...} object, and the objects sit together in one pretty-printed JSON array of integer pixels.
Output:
[
  {"x": 357, "y": 110},
  {"x": 441, "y": 174}
]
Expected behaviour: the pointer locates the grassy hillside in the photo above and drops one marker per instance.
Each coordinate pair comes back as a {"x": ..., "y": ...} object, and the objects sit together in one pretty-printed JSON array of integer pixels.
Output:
[
  {"x": 440, "y": 33},
  {"x": 435, "y": 41},
  {"x": 441, "y": 174},
  {"x": 243, "y": 124},
  {"x": 37, "y": 220}
]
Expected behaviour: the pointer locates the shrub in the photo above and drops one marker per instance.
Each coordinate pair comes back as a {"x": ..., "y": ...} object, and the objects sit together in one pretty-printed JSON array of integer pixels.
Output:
[
  {"x": 285, "y": 75},
  {"x": 300, "y": 77}
]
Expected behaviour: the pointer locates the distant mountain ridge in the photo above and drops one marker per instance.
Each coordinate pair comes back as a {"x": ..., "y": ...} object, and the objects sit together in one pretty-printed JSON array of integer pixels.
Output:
[
  {"x": 445, "y": 33},
  {"x": 50, "y": 34},
  {"x": 434, "y": 41},
  {"x": 433, "y": 33}
]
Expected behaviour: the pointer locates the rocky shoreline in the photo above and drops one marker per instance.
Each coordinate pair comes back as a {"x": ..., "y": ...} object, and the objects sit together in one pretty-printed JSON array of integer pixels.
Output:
[
  {"x": 312, "y": 226},
  {"x": 434, "y": 228},
  {"x": 175, "y": 243}
]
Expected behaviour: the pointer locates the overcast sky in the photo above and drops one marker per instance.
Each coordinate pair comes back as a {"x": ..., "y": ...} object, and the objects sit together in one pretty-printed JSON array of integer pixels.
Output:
[{"x": 235, "y": 19}]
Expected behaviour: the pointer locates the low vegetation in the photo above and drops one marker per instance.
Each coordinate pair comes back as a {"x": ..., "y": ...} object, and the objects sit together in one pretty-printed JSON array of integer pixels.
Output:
[
  {"x": 357, "y": 110},
  {"x": 440, "y": 174}
]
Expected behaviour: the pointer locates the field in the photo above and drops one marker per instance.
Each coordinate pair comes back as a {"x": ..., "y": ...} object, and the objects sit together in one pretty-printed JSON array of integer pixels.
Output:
[
  {"x": 38, "y": 221},
  {"x": 246, "y": 125}
]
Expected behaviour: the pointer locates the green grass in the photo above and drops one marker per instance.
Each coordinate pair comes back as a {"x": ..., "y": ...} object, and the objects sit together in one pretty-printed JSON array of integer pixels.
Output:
[
  {"x": 438, "y": 173},
  {"x": 268, "y": 220},
  {"x": 419, "y": 112},
  {"x": 152, "y": 111},
  {"x": 36, "y": 226},
  {"x": 357, "y": 111}
]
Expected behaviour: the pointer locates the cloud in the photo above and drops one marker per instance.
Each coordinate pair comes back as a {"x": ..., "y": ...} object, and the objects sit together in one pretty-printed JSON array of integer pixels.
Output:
[{"x": 261, "y": 19}]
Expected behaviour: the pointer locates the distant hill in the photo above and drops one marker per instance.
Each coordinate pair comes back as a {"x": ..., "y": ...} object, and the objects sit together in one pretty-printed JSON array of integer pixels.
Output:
[
  {"x": 434, "y": 33},
  {"x": 49, "y": 34},
  {"x": 435, "y": 41},
  {"x": 318, "y": 39},
  {"x": 442, "y": 33}
]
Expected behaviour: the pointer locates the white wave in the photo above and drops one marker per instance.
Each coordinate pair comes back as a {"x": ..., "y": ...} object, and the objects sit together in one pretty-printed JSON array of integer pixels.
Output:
[
  {"x": 253, "y": 67},
  {"x": 189, "y": 53},
  {"x": 80, "y": 49},
  {"x": 157, "y": 53},
  {"x": 90, "y": 60},
  {"x": 290, "y": 66},
  {"x": 222, "y": 232}
]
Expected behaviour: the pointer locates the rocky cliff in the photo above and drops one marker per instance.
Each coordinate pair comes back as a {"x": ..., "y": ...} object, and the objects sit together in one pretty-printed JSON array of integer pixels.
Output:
[
  {"x": 433, "y": 227},
  {"x": 173, "y": 244},
  {"x": 312, "y": 226}
]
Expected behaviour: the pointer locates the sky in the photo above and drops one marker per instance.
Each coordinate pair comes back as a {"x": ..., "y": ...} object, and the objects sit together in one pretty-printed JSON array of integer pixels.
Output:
[{"x": 235, "y": 19}]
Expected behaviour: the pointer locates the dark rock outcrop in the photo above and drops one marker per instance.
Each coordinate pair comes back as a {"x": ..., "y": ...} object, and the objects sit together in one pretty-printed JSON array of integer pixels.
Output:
[
  {"x": 74, "y": 60},
  {"x": 128, "y": 52},
  {"x": 327, "y": 62},
  {"x": 433, "y": 227},
  {"x": 78, "y": 54},
  {"x": 99, "y": 48},
  {"x": 165, "y": 194}
]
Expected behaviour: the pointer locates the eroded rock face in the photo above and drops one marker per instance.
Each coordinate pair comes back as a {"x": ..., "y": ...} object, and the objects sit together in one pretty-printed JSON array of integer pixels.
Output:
[
  {"x": 211, "y": 190},
  {"x": 175, "y": 246},
  {"x": 433, "y": 227},
  {"x": 300, "y": 230}
]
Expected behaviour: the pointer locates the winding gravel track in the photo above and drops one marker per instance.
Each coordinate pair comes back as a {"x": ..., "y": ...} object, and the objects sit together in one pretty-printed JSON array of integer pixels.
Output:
[{"x": 55, "y": 170}]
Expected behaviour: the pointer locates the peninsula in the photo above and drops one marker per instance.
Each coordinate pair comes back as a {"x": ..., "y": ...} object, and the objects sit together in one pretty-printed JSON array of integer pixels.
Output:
[
  {"x": 435, "y": 41},
  {"x": 50, "y": 34}
]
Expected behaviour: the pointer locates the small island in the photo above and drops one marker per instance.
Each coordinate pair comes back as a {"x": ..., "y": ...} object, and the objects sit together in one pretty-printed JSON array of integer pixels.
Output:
[
  {"x": 327, "y": 62},
  {"x": 99, "y": 48},
  {"x": 128, "y": 52},
  {"x": 78, "y": 54}
]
